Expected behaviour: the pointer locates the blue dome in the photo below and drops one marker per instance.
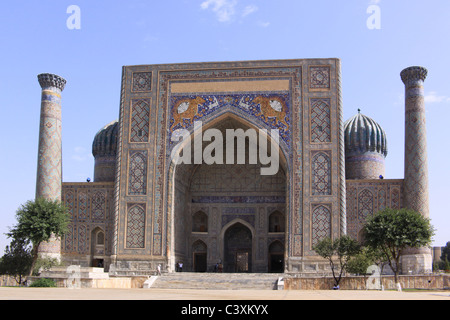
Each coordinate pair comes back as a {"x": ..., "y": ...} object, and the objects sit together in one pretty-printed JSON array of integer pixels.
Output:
[
  {"x": 363, "y": 135},
  {"x": 105, "y": 141}
]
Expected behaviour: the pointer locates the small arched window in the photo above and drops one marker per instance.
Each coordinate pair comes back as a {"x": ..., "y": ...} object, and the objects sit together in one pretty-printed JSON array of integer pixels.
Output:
[
  {"x": 276, "y": 222},
  {"x": 100, "y": 238},
  {"x": 200, "y": 222}
]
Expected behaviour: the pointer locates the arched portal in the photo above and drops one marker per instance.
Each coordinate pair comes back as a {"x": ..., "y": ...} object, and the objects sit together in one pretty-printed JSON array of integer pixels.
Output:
[
  {"x": 208, "y": 198},
  {"x": 238, "y": 249},
  {"x": 98, "y": 248}
]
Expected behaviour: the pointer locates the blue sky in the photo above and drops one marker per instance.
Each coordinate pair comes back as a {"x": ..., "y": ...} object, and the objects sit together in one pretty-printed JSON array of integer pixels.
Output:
[{"x": 35, "y": 39}]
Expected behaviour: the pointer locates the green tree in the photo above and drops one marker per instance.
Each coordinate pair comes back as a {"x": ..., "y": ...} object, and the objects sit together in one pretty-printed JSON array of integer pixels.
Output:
[
  {"x": 360, "y": 262},
  {"x": 37, "y": 222},
  {"x": 343, "y": 248},
  {"x": 446, "y": 252},
  {"x": 392, "y": 231},
  {"x": 17, "y": 260}
]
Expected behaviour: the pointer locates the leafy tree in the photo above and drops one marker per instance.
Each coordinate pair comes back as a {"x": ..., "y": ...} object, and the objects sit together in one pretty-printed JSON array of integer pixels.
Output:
[
  {"x": 446, "y": 252},
  {"x": 16, "y": 261},
  {"x": 343, "y": 248},
  {"x": 37, "y": 222},
  {"x": 360, "y": 262},
  {"x": 392, "y": 231}
]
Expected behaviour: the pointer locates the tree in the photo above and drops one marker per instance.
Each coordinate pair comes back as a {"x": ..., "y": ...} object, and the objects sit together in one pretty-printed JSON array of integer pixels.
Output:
[
  {"x": 37, "y": 222},
  {"x": 17, "y": 260},
  {"x": 446, "y": 252},
  {"x": 392, "y": 231},
  {"x": 360, "y": 262},
  {"x": 344, "y": 248}
]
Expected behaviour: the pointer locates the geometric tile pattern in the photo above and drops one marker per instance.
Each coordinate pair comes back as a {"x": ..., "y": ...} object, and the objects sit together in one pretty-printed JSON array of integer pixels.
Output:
[
  {"x": 416, "y": 173},
  {"x": 365, "y": 198},
  {"x": 321, "y": 223},
  {"x": 98, "y": 205},
  {"x": 140, "y": 118},
  {"x": 49, "y": 173},
  {"x": 395, "y": 198},
  {"x": 142, "y": 81},
  {"x": 321, "y": 174},
  {"x": 319, "y": 77},
  {"x": 382, "y": 199},
  {"x": 68, "y": 239},
  {"x": 89, "y": 207},
  {"x": 416, "y": 163},
  {"x": 82, "y": 239},
  {"x": 49, "y": 155},
  {"x": 82, "y": 205},
  {"x": 365, "y": 204},
  {"x": 137, "y": 175},
  {"x": 69, "y": 202},
  {"x": 320, "y": 120},
  {"x": 136, "y": 227}
]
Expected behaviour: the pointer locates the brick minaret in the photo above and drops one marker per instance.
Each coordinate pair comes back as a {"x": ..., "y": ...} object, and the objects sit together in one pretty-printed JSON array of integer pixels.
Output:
[
  {"x": 416, "y": 163},
  {"x": 49, "y": 169}
]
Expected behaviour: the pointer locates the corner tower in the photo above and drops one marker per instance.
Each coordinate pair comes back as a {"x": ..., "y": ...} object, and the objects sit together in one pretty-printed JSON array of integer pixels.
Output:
[
  {"x": 49, "y": 168},
  {"x": 416, "y": 163}
]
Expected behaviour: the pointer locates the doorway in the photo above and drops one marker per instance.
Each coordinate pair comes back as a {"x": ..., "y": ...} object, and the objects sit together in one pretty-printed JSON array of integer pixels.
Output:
[
  {"x": 238, "y": 249},
  {"x": 276, "y": 257},
  {"x": 200, "y": 264},
  {"x": 200, "y": 256}
]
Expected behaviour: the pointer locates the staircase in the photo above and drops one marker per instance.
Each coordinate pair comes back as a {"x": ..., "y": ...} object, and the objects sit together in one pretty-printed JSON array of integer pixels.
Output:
[{"x": 218, "y": 281}]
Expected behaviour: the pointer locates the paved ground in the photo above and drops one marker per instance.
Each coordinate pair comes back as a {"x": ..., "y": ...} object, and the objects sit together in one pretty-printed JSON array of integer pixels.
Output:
[{"x": 191, "y": 295}]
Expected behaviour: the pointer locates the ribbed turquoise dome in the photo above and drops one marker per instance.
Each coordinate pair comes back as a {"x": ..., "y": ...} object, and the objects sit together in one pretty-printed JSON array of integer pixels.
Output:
[
  {"x": 363, "y": 134},
  {"x": 105, "y": 141}
]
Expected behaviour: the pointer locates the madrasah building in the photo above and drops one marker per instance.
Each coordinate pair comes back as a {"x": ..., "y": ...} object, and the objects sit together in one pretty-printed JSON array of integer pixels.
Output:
[{"x": 143, "y": 209}]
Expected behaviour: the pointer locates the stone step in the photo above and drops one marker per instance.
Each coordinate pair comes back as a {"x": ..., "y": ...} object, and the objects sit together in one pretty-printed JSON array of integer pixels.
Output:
[{"x": 218, "y": 281}]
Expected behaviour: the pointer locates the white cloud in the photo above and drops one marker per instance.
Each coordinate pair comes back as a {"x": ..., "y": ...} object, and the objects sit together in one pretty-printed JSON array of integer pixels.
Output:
[
  {"x": 433, "y": 97},
  {"x": 224, "y": 9},
  {"x": 249, "y": 10},
  {"x": 263, "y": 24}
]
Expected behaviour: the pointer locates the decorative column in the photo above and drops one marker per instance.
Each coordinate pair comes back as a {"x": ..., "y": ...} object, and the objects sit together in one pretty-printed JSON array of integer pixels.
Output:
[
  {"x": 49, "y": 169},
  {"x": 416, "y": 163}
]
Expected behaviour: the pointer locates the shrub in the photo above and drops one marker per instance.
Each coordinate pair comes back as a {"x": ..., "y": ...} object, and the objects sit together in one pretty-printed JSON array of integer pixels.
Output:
[{"x": 43, "y": 283}]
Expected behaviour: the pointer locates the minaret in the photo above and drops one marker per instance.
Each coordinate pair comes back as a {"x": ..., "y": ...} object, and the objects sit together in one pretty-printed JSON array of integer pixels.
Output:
[
  {"x": 416, "y": 163},
  {"x": 49, "y": 169}
]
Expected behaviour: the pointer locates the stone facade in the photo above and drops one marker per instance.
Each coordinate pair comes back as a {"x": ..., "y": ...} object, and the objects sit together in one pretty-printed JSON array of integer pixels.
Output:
[
  {"x": 144, "y": 209},
  {"x": 88, "y": 241},
  {"x": 163, "y": 98},
  {"x": 366, "y": 197}
]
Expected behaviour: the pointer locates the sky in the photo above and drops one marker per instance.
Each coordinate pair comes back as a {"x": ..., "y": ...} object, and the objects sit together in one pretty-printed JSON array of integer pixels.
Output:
[{"x": 375, "y": 40}]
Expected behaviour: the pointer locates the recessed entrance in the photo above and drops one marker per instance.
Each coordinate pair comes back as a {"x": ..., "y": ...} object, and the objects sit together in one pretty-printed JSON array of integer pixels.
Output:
[
  {"x": 200, "y": 264},
  {"x": 220, "y": 210},
  {"x": 276, "y": 257},
  {"x": 238, "y": 249}
]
